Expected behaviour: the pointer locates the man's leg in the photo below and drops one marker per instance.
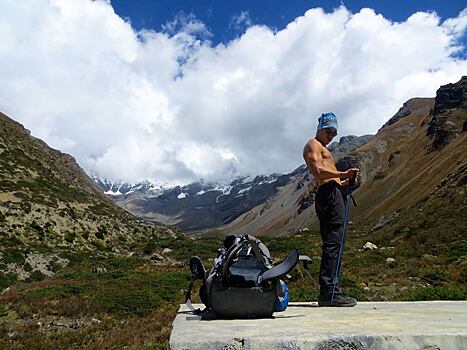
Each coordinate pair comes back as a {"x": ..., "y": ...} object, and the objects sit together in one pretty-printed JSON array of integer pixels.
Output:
[
  {"x": 331, "y": 215},
  {"x": 330, "y": 235}
]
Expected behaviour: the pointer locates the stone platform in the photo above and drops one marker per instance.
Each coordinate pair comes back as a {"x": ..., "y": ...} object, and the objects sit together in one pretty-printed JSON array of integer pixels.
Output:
[{"x": 369, "y": 325}]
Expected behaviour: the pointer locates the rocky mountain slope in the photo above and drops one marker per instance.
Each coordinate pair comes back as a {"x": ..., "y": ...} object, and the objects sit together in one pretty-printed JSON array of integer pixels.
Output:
[
  {"x": 410, "y": 157},
  {"x": 286, "y": 210},
  {"x": 414, "y": 153},
  {"x": 265, "y": 201},
  {"x": 48, "y": 202},
  {"x": 194, "y": 206}
]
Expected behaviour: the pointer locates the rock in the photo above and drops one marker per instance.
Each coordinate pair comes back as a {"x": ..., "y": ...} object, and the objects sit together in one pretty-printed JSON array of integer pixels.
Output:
[
  {"x": 448, "y": 97},
  {"x": 390, "y": 260},
  {"x": 178, "y": 264},
  {"x": 369, "y": 246},
  {"x": 366, "y": 289},
  {"x": 6, "y": 290},
  {"x": 156, "y": 257},
  {"x": 167, "y": 251},
  {"x": 99, "y": 270},
  {"x": 403, "y": 112}
]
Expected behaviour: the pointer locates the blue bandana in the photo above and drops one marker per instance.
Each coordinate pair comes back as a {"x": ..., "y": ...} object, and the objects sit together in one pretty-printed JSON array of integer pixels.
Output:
[{"x": 327, "y": 120}]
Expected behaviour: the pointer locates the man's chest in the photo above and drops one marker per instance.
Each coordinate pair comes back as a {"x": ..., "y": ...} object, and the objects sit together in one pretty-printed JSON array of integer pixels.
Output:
[{"x": 326, "y": 155}]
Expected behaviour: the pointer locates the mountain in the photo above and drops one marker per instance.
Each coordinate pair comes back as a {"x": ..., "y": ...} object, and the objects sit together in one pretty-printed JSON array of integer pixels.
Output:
[
  {"x": 420, "y": 152},
  {"x": 287, "y": 210},
  {"x": 259, "y": 205},
  {"x": 422, "y": 146},
  {"x": 48, "y": 200},
  {"x": 194, "y": 206}
]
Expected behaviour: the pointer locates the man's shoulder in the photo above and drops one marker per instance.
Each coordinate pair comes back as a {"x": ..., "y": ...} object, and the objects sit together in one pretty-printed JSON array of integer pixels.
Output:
[{"x": 313, "y": 144}]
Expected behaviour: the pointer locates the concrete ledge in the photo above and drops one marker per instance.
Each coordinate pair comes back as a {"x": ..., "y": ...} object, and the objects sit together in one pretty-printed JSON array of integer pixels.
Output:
[{"x": 369, "y": 325}]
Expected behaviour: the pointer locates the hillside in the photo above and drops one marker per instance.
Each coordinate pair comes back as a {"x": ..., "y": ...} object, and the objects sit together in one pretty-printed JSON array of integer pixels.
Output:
[
  {"x": 48, "y": 204},
  {"x": 415, "y": 153}
]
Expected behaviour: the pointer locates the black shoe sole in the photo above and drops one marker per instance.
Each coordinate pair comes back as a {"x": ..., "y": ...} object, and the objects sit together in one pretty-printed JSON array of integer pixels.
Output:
[{"x": 330, "y": 304}]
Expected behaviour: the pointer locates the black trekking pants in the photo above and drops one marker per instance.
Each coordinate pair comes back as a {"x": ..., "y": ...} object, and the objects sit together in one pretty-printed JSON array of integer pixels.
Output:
[{"x": 330, "y": 209}]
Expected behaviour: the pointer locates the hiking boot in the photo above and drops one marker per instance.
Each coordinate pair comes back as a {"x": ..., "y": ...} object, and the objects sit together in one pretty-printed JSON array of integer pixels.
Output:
[{"x": 339, "y": 301}]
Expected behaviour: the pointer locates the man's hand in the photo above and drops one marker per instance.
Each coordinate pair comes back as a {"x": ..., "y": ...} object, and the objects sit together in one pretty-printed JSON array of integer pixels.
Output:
[{"x": 351, "y": 173}]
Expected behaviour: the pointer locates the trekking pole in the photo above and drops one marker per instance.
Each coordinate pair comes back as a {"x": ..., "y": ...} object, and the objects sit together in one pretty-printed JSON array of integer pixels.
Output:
[{"x": 344, "y": 231}]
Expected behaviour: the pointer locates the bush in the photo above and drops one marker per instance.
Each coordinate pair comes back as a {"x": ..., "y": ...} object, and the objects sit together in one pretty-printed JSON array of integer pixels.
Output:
[
  {"x": 303, "y": 294},
  {"x": 14, "y": 256},
  {"x": 149, "y": 247},
  {"x": 124, "y": 301},
  {"x": 36, "y": 276},
  {"x": 70, "y": 236},
  {"x": 101, "y": 232},
  {"x": 6, "y": 280},
  {"x": 3, "y": 311},
  {"x": 434, "y": 293},
  {"x": 457, "y": 250},
  {"x": 436, "y": 275},
  {"x": 463, "y": 274},
  {"x": 60, "y": 291}
]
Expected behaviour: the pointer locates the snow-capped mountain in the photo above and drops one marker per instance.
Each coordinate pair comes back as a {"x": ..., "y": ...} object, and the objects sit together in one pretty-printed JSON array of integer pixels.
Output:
[
  {"x": 121, "y": 188},
  {"x": 194, "y": 206},
  {"x": 202, "y": 205}
]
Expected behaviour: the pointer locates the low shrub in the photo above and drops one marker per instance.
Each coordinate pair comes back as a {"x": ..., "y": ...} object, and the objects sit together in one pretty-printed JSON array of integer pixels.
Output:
[
  {"x": 35, "y": 276},
  {"x": 433, "y": 293},
  {"x": 436, "y": 274},
  {"x": 303, "y": 294},
  {"x": 52, "y": 292}
]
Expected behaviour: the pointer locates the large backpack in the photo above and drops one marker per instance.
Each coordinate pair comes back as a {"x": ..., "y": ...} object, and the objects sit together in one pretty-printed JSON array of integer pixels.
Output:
[{"x": 243, "y": 282}]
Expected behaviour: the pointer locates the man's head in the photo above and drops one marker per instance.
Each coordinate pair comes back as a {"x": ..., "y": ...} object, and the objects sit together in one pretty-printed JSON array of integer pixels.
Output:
[{"x": 327, "y": 128}]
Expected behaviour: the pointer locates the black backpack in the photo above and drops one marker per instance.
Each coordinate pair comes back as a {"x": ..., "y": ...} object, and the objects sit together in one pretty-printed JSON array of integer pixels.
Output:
[{"x": 243, "y": 282}]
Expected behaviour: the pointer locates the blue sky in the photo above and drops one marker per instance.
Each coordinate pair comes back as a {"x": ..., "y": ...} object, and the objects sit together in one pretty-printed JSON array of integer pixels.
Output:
[
  {"x": 219, "y": 15},
  {"x": 177, "y": 90}
]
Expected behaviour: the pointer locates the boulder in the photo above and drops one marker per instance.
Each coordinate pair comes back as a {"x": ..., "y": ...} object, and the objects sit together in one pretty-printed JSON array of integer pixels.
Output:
[
  {"x": 99, "y": 269},
  {"x": 369, "y": 246},
  {"x": 156, "y": 257},
  {"x": 167, "y": 251},
  {"x": 178, "y": 264},
  {"x": 390, "y": 261}
]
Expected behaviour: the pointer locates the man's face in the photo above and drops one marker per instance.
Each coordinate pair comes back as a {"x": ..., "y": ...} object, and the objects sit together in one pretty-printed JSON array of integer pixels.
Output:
[{"x": 328, "y": 134}]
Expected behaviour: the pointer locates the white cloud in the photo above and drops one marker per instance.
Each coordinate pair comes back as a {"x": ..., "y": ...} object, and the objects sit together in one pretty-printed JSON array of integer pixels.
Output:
[
  {"x": 241, "y": 21},
  {"x": 171, "y": 106}
]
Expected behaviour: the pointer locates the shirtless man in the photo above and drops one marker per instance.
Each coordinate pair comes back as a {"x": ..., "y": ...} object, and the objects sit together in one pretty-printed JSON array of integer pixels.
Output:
[{"x": 329, "y": 205}]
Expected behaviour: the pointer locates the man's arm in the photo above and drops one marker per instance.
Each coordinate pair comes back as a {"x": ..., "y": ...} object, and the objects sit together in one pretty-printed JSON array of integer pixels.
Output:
[{"x": 314, "y": 161}]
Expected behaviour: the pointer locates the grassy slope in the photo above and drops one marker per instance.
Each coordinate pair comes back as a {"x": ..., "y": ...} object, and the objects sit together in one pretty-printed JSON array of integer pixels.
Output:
[{"x": 133, "y": 304}]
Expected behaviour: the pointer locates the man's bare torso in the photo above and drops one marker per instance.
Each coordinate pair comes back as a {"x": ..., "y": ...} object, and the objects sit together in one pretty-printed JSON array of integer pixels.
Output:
[{"x": 326, "y": 160}]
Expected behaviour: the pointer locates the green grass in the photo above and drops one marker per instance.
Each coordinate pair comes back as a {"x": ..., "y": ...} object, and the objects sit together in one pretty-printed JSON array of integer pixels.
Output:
[
  {"x": 59, "y": 291},
  {"x": 433, "y": 293}
]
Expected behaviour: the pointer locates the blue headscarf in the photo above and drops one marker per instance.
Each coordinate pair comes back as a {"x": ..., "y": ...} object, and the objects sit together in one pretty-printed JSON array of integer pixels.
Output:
[{"x": 327, "y": 120}]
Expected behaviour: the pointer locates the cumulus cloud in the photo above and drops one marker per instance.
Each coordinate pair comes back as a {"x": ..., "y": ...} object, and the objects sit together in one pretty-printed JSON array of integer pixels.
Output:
[{"x": 173, "y": 107}]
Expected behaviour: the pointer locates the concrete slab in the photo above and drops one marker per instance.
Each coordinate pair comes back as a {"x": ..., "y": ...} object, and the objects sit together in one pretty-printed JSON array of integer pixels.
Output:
[{"x": 369, "y": 325}]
